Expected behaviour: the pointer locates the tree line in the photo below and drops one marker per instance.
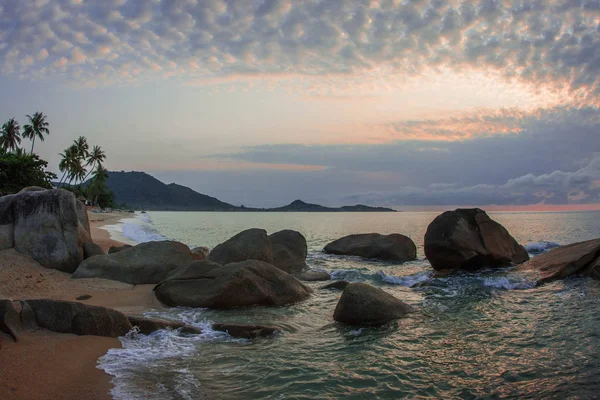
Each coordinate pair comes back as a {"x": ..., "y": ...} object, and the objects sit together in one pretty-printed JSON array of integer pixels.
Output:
[{"x": 81, "y": 167}]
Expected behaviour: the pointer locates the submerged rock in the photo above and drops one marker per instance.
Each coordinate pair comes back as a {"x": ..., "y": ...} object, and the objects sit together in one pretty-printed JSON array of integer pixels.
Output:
[
  {"x": 469, "y": 239},
  {"x": 362, "y": 304},
  {"x": 78, "y": 318},
  {"x": 339, "y": 285},
  {"x": 395, "y": 247},
  {"x": 48, "y": 225},
  {"x": 582, "y": 258},
  {"x": 149, "y": 325},
  {"x": 91, "y": 249},
  {"x": 312, "y": 275},
  {"x": 247, "y": 283},
  {"x": 246, "y": 331},
  {"x": 251, "y": 244},
  {"x": 149, "y": 262},
  {"x": 289, "y": 250}
]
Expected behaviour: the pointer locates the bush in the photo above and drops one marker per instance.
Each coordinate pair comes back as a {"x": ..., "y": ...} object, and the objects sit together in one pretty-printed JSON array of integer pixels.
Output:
[{"x": 18, "y": 171}]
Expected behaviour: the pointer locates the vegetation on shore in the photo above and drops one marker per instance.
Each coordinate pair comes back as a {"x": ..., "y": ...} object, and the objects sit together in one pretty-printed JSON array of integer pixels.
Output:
[{"x": 83, "y": 172}]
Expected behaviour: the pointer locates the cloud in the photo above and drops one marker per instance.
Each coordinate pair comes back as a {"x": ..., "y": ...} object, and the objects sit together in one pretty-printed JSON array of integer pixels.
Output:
[{"x": 553, "y": 43}]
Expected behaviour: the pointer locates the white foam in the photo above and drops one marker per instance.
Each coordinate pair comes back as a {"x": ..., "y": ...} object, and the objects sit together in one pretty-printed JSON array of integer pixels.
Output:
[
  {"x": 502, "y": 282},
  {"x": 408, "y": 281},
  {"x": 540, "y": 247},
  {"x": 140, "y": 233}
]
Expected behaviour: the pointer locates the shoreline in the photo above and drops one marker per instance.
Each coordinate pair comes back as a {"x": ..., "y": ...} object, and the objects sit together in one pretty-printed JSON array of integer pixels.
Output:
[{"x": 65, "y": 365}]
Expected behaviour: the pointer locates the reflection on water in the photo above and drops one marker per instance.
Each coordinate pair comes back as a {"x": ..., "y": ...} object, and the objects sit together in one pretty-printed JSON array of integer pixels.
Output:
[{"x": 485, "y": 335}]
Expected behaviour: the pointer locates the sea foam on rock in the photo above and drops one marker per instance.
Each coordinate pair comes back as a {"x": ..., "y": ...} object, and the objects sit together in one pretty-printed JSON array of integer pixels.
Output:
[
  {"x": 148, "y": 262},
  {"x": 469, "y": 239},
  {"x": 248, "y": 283},
  {"x": 394, "y": 247},
  {"x": 363, "y": 304},
  {"x": 48, "y": 225}
]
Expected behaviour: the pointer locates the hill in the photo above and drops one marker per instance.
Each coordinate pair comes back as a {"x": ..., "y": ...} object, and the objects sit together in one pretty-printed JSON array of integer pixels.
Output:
[{"x": 300, "y": 206}]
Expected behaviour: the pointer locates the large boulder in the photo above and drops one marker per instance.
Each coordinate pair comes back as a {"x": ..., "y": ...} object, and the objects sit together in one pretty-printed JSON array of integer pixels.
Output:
[
  {"x": 289, "y": 250},
  {"x": 582, "y": 258},
  {"x": 48, "y": 225},
  {"x": 469, "y": 239},
  {"x": 247, "y": 283},
  {"x": 78, "y": 318},
  {"x": 362, "y": 304},
  {"x": 148, "y": 262},
  {"x": 251, "y": 244},
  {"x": 91, "y": 249},
  {"x": 394, "y": 247}
]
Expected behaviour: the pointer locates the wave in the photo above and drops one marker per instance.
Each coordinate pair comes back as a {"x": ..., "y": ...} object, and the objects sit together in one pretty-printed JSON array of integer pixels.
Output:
[
  {"x": 502, "y": 282},
  {"x": 540, "y": 247},
  {"x": 140, "y": 229},
  {"x": 408, "y": 281}
]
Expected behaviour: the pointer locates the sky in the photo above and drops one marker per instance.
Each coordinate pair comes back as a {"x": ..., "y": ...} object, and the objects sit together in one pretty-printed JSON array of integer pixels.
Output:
[{"x": 392, "y": 102}]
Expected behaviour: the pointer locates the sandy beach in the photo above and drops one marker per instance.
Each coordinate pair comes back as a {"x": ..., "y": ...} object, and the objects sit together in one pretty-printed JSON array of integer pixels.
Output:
[{"x": 46, "y": 365}]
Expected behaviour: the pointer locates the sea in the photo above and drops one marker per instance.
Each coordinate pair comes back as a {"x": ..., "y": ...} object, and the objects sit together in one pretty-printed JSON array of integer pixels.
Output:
[{"x": 490, "y": 334}]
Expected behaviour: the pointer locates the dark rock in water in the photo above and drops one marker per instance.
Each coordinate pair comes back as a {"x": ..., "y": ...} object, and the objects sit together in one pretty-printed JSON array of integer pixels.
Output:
[
  {"x": 78, "y": 318},
  {"x": 202, "y": 250},
  {"x": 48, "y": 225},
  {"x": 340, "y": 285},
  {"x": 10, "y": 320},
  {"x": 312, "y": 275},
  {"x": 149, "y": 325},
  {"x": 246, "y": 331},
  {"x": 247, "y": 283},
  {"x": 469, "y": 239},
  {"x": 362, "y": 304},
  {"x": 149, "y": 262},
  {"x": 251, "y": 244},
  {"x": 581, "y": 258},
  {"x": 116, "y": 249},
  {"x": 289, "y": 250},
  {"x": 91, "y": 249},
  {"x": 393, "y": 247},
  {"x": 84, "y": 297}
]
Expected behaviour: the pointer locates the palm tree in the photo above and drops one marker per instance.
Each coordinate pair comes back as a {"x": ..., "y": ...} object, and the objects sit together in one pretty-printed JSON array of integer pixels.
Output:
[
  {"x": 82, "y": 147},
  {"x": 37, "y": 127},
  {"x": 96, "y": 157},
  {"x": 11, "y": 137},
  {"x": 68, "y": 161},
  {"x": 98, "y": 183}
]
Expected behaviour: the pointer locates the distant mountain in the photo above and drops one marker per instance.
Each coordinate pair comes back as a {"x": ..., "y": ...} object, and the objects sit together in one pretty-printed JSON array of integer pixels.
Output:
[
  {"x": 144, "y": 192},
  {"x": 141, "y": 191}
]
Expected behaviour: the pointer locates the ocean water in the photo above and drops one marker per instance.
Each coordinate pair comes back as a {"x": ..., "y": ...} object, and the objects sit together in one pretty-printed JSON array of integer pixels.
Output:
[{"x": 490, "y": 334}]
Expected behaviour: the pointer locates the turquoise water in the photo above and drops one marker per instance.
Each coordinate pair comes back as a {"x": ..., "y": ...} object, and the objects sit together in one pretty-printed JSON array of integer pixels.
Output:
[{"x": 484, "y": 335}]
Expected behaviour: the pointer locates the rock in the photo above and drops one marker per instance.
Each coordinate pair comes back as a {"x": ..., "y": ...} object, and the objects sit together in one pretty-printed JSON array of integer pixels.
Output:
[
  {"x": 469, "y": 239},
  {"x": 289, "y": 250},
  {"x": 91, "y": 249},
  {"x": 149, "y": 325},
  {"x": 340, "y": 285},
  {"x": 312, "y": 275},
  {"x": 78, "y": 318},
  {"x": 84, "y": 297},
  {"x": 149, "y": 262},
  {"x": 362, "y": 304},
  {"x": 28, "y": 322},
  {"x": 581, "y": 258},
  {"x": 251, "y": 244},
  {"x": 246, "y": 331},
  {"x": 46, "y": 225},
  {"x": 32, "y": 189},
  {"x": 242, "y": 284},
  {"x": 10, "y": 320},
  {"x": 393, "y": 247},
  {"x": 116, "y": 249},
  {"x": 202, "y": 250}
]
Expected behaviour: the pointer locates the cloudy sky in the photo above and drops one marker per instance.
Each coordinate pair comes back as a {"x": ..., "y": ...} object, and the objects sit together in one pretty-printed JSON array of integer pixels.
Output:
[{"x": 390, "y": 102}]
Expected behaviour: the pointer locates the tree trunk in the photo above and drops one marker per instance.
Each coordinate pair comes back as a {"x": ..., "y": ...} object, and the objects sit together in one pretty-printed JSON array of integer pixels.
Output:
[{"x": 32, "y": 143}]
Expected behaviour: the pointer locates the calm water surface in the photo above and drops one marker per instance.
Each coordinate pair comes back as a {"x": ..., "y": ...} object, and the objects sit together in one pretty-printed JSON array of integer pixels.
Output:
[{"x": 484, "y": 335}]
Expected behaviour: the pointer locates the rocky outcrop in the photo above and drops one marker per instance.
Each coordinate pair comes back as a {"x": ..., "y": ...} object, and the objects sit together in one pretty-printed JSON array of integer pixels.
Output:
[
  {"x": 289, "y": 250},
  {"x": 91, "y": 249},
  {"x": 338, "y": 285},
  {"x": 116, "y": 249},
  {"x": 251, "y": 244},
  {"x": 78, "y": 318},
  {"x": 394, "y": 247},
  {"x": 582, "y": 258},
  {"x": 362, "y": 304},
  {"x": 48, "y": 225},
  {"x": 149, "y": 325},
  {"x": 312, "y": 275},
  {"x": 202, "y": 250},
  {"x": 149, "y": 262},
  {"x": 469, "y": 239},
  {"x": 246, "y": 331},
  {"x": 248, "y": 283}
]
